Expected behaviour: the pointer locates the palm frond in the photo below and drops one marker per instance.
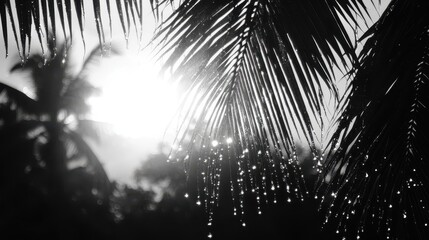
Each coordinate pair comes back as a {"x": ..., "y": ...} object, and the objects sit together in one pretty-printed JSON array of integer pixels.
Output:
[
  {"x": 159, "y": 6},
  {"x": 55, "y": 87},
  {"x": 253, "y": 73},
  {"x": 78, "y": 88},
  {"x": 50, "y": 77},
  {"x": 93, "y": 165},
  {"x": 91, "y": 129},
  {"x": 30, "y": 13},
  {"x": 19, "y": 98},
  {"x": 378, "y": 174},
  {"x": 6, "y": 10}
]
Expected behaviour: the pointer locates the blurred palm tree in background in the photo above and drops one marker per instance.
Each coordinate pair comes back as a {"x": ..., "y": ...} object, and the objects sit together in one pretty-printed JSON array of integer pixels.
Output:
[
  {"x": 255, "y": 73},
  {"x": 46, "y": 163}
]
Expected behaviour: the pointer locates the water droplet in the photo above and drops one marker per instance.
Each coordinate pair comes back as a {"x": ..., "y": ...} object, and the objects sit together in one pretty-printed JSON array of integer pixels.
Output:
[
  {"x": 229, "y": 140},
  {"x": 209, "y": 235},
  {"x": 186, "y": 195},
  {"x": 215, "y": 143},
  {"x": 94, "y": 191}
]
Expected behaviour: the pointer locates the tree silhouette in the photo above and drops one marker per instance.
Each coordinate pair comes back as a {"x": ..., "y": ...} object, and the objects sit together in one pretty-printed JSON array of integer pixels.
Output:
[
  {"x": 257, "y": 91},
  {"x": 254, "y": 71},
  {"x": 43, "y": 153},
  {"x": 383, "y": 130}
]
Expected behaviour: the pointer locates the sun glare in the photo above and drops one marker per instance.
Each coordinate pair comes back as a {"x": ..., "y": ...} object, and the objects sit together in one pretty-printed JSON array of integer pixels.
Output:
[{"x": 134, "y": 100}]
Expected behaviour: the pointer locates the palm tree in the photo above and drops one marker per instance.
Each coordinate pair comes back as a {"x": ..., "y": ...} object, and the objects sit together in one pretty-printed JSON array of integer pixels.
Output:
[
  {"x": 57, "y": 159},
  {"x": 254, "y": 73},
  {"x": 258, "y": 68},
  {"x": 382, "y": 131}
]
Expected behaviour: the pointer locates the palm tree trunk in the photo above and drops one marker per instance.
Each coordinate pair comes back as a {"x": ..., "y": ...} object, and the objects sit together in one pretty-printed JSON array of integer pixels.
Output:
[{"x": 55, "y": 156}]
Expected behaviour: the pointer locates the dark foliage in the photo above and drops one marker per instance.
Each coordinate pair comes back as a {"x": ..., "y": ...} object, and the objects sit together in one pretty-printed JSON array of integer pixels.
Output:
[
  {"x": 378, "y": 177},
  {"x": 253, "y": 72},
  {"x": 53, "y": 182}
]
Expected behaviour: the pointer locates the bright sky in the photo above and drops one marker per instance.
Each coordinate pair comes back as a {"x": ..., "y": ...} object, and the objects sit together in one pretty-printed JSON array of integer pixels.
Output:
[{"x": 135, "y": 102}]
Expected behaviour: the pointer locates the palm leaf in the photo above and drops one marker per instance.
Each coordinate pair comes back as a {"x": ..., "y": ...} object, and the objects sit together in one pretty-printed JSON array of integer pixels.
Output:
[
  {"x": 158, "y": 7},
  {"x": 94, "y": 166},
  {"x": 50, "y": 80},
  {"x": 19, "y": 98},
  {"x": 253, "y": 73},
  {"x": 78, "y": 89},
  {"x": 91, "y": 129},
  {"x": 6, "y": 9},
  {"x": 381, "y": 166},
  {"x": 4, "y": 25},
  {"x": 28, "y": 16}
]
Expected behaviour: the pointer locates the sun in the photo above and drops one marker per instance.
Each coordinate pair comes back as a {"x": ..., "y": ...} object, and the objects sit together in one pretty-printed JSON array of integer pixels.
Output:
[{"x": 134, "y": 99}]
